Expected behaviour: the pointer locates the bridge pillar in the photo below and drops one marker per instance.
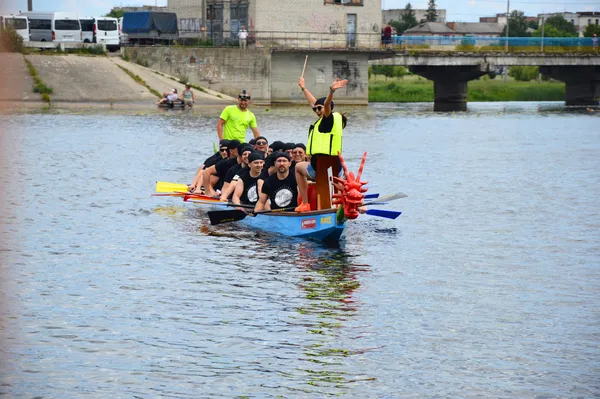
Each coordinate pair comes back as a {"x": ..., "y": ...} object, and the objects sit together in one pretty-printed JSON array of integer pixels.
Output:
[
  {"x": 450, "y": 84},
  {"x": 582, "y": 83}
]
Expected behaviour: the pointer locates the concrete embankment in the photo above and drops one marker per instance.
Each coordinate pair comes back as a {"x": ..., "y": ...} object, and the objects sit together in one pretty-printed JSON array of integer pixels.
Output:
[{"x": 91, "y": 81}]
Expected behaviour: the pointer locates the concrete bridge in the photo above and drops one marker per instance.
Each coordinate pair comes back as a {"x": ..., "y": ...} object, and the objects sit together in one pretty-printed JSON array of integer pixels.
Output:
[{"x": 450, "y": 73}]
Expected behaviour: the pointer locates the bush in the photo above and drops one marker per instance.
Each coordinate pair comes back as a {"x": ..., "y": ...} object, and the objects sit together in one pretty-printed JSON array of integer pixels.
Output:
[
  {"x": 10, "y": 41},
  {"x": 524, "y": 73}
]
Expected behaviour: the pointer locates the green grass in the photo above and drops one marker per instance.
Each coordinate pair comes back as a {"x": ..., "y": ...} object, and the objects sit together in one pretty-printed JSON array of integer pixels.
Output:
[
  {"x": 38, "y": 85},
  {"x": 411, "y": 89},
  {"x": 140, "y": 81}
]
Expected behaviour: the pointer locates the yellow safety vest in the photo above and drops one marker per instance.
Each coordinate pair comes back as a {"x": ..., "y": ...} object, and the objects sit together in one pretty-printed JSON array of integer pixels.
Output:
[{"x": 329, "y": 143}]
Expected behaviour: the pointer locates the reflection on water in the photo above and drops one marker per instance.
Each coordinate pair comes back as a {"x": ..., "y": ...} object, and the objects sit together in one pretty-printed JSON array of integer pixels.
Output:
[{"x": 486, "y": 286}]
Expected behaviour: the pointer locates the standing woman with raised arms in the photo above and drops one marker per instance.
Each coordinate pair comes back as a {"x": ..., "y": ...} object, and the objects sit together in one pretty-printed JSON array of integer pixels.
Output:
[{"x": 324, "y": 137}]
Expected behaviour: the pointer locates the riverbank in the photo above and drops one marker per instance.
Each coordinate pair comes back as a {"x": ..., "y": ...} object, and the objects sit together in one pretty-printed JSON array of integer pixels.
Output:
[{"x": 417, "y": 89}]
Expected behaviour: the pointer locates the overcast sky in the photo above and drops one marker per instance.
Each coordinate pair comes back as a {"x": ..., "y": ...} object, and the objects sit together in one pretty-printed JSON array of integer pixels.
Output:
[{"x": 457, "y": 10}]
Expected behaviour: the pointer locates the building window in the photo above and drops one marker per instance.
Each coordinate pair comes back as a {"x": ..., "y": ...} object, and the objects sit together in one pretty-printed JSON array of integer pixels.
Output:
[
  {"x": 589, "y": 21},
  {"x": 345, "y": 2},
  {"x": 596, "y": 21}
]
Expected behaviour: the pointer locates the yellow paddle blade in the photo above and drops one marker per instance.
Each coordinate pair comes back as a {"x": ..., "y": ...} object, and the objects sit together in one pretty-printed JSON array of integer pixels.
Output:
[{"x": 167, "y": 187}]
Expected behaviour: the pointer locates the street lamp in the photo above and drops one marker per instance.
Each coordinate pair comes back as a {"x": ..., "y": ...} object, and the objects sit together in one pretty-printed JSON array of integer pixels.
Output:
[{"x": 506, "y": 43}]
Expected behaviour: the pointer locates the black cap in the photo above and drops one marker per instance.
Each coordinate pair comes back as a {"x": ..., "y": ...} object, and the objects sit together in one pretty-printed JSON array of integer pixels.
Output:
[
  {"x": 244, "y": 95},
  {"x": 232, "y": 144},
  {"x": 241, "y": 146},
  {"x": 321, "y": 101},
  {"x": 280, "y": 154},
  {"x": 277, "y": 145},
  {"x": 300, "y": 145},
  {"x": 288, "y": 146},
  {"x": 246, "y": 148},
  {"x": 252, "y": 142},
  {"x": 261, "y": 138},
  {"x": 255, "y": 156},
  {"x": 224, "y": 142}
]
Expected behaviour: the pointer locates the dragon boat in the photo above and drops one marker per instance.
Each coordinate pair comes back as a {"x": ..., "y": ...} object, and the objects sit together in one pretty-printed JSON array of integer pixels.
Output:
[{"x": 335, "y": 200}]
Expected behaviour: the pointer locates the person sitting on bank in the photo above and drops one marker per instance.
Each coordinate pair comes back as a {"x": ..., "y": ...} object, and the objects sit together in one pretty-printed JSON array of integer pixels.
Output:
[
  {"x": 169, "y": 97},
  {"x": 324, "y": 137},
  {"x": 189, "y": 98},
  {"x": 280, "y": 189}
]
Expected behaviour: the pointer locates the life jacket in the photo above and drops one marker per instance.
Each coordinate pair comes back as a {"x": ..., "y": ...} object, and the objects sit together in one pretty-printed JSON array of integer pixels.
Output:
[{"x": 328, "y": 143}]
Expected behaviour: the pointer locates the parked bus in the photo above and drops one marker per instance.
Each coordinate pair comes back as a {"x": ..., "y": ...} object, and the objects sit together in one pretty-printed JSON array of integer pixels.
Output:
[
  {"x": 19, "y": 23},
  {"x": 40, "y": 25}
]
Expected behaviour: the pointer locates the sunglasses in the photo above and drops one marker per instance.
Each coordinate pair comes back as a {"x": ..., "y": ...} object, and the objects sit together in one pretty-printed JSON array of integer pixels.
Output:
[
  {"x": 261, "y": 143},
  {"x": 244, "y": 98},
  {"x": 222, "y": 149},
  {"x": 298, "y": 152},
  {"x": 318, "y": 108}
]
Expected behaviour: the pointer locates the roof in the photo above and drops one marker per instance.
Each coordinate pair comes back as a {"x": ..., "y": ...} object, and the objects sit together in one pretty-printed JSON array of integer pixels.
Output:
[
  {"x": 430, "y": 27},
  {"x": 481, "y": 27}
]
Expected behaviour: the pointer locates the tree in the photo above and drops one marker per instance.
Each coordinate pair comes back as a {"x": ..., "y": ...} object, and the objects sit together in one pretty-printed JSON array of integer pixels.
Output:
[
  {"x": 407, "y": 21},
  {"x": 591, "y": 29},
  {"x": 517, "y": 27},
  {"x": 431, "y": 14},
  {"x": 533, "y": 25},
  {"x": 115, "y": 13},
  {"x": 557, "y": 26}
]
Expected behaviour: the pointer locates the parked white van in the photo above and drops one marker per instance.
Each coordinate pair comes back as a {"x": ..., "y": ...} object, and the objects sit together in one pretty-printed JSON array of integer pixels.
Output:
[
  {"x": 66, "y": 27},
  {"x": 40, "y": 25},
  {"x": 123, "y": 38},
  {"x": 88, "y": 29},
  {"x": 107, "y": 32},
  {"x": 19, "y": 23}
]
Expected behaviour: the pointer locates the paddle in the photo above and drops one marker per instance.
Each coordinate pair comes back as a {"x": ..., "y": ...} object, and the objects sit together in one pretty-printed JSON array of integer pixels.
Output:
[
  {"x": 383, "y": 213},
  {"x": 371, "y": 196},
  {"x": 386, "y": 199},
  {"x": 168, "y": 187},
  {"x": 215, "y": 201},
  {"x": 219, "y": 217}
]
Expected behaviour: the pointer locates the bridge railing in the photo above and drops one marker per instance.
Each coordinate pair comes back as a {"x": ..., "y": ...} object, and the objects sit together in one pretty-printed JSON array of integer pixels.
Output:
[
  {"x": 495, "y": 44},
  {"x": 373, "y": 42}
]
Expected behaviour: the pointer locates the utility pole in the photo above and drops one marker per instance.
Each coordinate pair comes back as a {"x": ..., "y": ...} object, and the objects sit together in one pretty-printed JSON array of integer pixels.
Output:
[
  {"x": 29, "y": 5},
  {"x": 506, "y": 44},
  {"x": 541, "y": 48}
]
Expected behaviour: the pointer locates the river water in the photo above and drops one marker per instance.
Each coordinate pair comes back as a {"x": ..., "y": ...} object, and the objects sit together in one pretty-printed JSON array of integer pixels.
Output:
[{"x": 487, "y": 285}]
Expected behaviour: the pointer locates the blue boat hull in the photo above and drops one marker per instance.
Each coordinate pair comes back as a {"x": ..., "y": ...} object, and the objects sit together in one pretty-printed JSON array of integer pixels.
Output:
[{"x": 318, "y": 225}]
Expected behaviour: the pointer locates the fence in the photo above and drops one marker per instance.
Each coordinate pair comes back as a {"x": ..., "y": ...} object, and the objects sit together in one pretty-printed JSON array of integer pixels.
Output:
[{"x": 372, "y": 42}]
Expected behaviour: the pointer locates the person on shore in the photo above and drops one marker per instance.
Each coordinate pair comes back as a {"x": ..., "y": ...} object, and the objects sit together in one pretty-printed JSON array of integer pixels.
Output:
[
  {"x": 189, "y": 98},
  {"x": 243, "y": 37},
  {"x": 324, "y": 137},
  {"x": 280, "y": 189},
  {"x": 169, "y": 97},
  {"x": 235, "y": 119},
  {"x": 595, "y": 42},
  {"x": 246, "y": 187}
]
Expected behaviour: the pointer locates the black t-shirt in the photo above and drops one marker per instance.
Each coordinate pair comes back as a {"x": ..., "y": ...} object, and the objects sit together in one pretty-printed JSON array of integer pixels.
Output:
[
  {"x": 232, "y": 172},
  {"x": 250, "y": 194},
  {"x": 326, "y": 125},
  {"x": 282, "y": 193},
  {"x": 212, "y": 160},
  {"x": 223, "y": 166}
]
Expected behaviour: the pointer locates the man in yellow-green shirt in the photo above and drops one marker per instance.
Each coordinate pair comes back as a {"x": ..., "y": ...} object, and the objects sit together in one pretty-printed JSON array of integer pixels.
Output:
[{"x": 235, "y": 119}]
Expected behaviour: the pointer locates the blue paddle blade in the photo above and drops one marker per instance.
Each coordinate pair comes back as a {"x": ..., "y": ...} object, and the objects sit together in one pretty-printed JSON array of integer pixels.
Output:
[
  {"x": 383, "y": 213},
  {"x": 371, "y": 196}
]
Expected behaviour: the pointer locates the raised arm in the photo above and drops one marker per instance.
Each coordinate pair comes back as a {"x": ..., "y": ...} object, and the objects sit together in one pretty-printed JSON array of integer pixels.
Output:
[
  {"x": 309, "y": 97},
  {"x": 337, "y": 84}
]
